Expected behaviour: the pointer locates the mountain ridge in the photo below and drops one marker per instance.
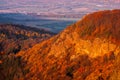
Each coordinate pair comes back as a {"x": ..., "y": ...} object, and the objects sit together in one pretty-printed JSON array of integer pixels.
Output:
[
  {"x": 78, "y": 47},
  {"x": 19, "y": 37},
  {"x": 86, "y": 50}
]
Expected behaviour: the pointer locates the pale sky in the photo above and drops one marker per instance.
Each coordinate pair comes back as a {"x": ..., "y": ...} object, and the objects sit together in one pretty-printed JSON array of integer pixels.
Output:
[{"x": 57, "y": 6}]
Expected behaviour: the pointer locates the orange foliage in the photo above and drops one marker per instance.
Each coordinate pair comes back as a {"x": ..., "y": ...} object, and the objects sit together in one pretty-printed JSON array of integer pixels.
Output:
[{"x": 51, "y": 59}]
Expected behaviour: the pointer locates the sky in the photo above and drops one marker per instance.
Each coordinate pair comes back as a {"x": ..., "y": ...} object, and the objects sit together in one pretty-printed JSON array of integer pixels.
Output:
[{"x": 57, "y": 6}]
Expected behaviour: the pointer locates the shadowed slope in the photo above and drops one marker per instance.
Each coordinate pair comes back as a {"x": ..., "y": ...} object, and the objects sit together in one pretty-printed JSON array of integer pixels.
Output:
[{"x": 14, "y": 38}]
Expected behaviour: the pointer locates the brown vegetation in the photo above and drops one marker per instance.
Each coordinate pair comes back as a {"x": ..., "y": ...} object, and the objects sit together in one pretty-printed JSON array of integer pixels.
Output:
[
  {"x": 14, "y": 38},
  {"x": 87, "y": 50}
]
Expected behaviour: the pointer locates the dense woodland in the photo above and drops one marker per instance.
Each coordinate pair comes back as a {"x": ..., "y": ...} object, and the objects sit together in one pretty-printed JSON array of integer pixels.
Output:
[
  {"x": 86, "y": 50},
  {"x": 14, "y": 38}
]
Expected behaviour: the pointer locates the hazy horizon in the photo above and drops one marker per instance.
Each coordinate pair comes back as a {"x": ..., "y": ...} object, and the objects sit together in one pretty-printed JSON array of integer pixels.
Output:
[
  {"x": 56, "y": 7},
  {"x": 53, "y": 15}
]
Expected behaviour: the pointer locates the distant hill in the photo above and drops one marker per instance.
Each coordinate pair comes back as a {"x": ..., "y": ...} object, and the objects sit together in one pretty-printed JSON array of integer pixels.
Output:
[
  {"x": 14, "y": 38},
  {"x": 86, "y": 50},
  {"x": 52, "y": 24}
]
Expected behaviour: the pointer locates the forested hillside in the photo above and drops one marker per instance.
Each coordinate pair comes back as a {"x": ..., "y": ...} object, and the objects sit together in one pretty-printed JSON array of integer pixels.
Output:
[{"x": 86, "y": 50}]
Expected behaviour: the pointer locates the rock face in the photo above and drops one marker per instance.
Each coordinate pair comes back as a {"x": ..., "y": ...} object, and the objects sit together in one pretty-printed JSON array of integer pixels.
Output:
[{"x": 86, "y": 50}]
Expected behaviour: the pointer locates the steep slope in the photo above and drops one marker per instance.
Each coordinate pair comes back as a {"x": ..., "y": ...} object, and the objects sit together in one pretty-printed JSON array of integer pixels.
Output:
[{"x": 86, "y": 50}]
